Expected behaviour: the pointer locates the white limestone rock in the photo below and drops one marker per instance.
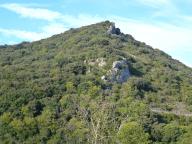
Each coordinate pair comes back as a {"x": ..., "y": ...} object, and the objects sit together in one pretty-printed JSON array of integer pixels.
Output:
[
  {"x": 98, "y": 62},
  {"x": 119, "y": 72}
]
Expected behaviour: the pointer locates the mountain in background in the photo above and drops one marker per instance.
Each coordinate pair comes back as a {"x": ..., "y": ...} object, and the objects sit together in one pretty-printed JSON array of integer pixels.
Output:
[{"x": 95, "y": 85}]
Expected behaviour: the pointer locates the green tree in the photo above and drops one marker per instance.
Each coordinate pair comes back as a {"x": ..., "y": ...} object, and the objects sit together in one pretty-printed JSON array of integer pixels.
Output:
[
  {"x": 132, "y": 133},
  {"x": 171, "y": 133}
]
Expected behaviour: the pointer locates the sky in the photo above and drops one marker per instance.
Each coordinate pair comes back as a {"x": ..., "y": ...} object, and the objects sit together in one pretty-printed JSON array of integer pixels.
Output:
[{"x": 163, "y": 24}]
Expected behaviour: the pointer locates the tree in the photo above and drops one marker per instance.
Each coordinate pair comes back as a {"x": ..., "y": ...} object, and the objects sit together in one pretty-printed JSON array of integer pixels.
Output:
[
  {"x": 186, "y": 138},
  {"x": 132, "y": 133},
  {"x": 171, "y": 133},
  {"x": 33, "y": 109},
  {"x": 70, "y": 87},
  {"x": 76, "y": 131}
]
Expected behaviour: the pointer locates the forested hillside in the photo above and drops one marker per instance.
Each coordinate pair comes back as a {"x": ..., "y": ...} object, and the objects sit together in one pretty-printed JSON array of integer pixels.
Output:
[{"x": 93, "y": 85}]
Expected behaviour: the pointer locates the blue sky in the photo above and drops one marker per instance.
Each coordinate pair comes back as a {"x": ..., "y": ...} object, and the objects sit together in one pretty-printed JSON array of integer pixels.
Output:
[{"x": 163, "y": 24}]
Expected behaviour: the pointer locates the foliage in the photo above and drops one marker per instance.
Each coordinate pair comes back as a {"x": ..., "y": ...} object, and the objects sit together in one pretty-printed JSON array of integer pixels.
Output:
[
  {"x": 132, "y": 133},
  {"x": 51, "y": 91}
]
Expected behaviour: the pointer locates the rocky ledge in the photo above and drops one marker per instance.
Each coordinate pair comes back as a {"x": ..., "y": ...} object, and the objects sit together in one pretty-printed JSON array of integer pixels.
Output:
[{"x": 119, "y": 72}]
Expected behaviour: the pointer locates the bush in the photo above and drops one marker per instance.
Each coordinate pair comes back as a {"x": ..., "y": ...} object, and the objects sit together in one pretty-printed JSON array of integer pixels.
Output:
[{"x": 132, "y": 133}]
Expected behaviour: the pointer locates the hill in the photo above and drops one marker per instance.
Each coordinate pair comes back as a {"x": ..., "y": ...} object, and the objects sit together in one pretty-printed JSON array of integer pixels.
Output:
[{"x": 95, "y": 85}]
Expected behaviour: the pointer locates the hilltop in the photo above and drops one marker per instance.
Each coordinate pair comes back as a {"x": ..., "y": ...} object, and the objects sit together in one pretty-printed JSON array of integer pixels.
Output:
[{"x": 93, "y": 84}]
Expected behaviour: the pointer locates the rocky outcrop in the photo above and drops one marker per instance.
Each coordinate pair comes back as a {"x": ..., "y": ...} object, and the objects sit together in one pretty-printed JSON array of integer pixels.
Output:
[
  {"x": 98, "y": 62},
  {"x": 113, "y": 30},
  {"x": 119, "y": 72}
]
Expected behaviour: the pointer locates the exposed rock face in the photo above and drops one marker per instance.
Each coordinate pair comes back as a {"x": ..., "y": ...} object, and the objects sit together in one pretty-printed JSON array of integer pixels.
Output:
[
  {"x": 113, "y": 30},
  {"x": 119, "y": 72},
  {"x": 99, "y": 61}
]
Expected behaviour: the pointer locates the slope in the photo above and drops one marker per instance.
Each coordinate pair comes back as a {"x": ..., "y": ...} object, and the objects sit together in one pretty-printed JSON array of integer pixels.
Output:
[{"x": 64, "y": 90}]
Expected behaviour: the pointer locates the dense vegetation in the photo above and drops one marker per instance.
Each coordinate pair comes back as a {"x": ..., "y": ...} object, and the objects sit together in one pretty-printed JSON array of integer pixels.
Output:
[{"x": 49, "y": 93}]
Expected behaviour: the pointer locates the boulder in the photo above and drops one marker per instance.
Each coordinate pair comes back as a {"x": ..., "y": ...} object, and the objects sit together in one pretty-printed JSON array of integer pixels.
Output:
[
  {"x": 119, "y": 72},
  {"x": 113, "y": 30}
]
